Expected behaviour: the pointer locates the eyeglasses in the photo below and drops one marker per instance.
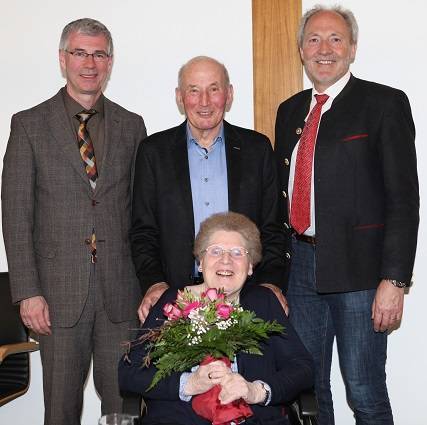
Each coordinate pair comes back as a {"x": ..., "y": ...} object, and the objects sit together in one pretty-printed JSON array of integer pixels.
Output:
[
  {"x": 216, "y": 251},
  {"x": 98, "y": 56}
]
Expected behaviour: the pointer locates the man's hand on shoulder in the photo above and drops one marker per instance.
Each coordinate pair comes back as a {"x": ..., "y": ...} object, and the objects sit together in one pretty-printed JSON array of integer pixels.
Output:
[
  {"x": 279, "y": 294},
  {"x": 35, "y": 315},
  {"x": 150, "y": 298},
  {"x": 387, "y": 308}
]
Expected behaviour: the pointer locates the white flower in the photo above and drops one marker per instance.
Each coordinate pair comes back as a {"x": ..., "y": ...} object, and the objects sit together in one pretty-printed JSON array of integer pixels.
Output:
[{"x": 195, "y": 340}]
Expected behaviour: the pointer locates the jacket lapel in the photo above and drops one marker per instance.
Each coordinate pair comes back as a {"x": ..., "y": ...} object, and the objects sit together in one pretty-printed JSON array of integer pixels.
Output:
[
  {"x": 112, "y": 133},
  {"x": 331, "y": 119},
  {"x": 233, "y": 149},
  {"x": 344, "y": 91},
  {"x": 182, "y": 170},
  {"x": 58, "y": 123},
  {"x": 301, "y": 113}
]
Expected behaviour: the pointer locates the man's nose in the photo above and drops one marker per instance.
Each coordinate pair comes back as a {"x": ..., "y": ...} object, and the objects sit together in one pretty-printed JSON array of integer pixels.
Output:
[
  {"x": 204, "y": 98},
  {"x": 89, "y": 59},
  {"x": 324, "y": 47}
]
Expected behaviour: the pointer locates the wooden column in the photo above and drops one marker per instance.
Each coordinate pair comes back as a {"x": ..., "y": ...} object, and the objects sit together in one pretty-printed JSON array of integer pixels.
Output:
[{"x": 277, "y": 66}]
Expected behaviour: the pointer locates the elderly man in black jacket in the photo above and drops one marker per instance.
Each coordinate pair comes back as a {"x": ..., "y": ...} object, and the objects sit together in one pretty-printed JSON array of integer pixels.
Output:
[{"x": 187, "y": 173}]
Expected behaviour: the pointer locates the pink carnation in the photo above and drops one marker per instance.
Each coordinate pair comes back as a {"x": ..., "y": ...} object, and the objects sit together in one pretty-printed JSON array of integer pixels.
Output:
[
  {"x": 172, "y": 312},
  {"x": 190, "y": 307},
  {"x": 224, "y": 310}
]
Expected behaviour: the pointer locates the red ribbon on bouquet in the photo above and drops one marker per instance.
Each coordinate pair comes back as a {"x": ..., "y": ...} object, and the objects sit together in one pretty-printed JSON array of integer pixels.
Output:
[{"x": 209, "y": 407}]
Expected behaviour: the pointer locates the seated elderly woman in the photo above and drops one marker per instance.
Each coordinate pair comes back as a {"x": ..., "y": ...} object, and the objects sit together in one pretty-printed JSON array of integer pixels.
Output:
[{"x": 228, "y": 247}]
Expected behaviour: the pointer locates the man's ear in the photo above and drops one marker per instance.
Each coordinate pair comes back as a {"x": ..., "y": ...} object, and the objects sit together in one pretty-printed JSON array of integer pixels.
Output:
[
  {"x": 230, "y": 96},
  {"x": 179, "y": 101},
  {"x": 62, "y": 64},
  {"x": 353, "y": 52},
  {"x": 301, "y": 55}
]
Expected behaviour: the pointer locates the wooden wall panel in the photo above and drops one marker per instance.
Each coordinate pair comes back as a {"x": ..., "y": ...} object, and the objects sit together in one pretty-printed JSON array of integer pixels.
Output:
[{"x": 277, "y": 66}]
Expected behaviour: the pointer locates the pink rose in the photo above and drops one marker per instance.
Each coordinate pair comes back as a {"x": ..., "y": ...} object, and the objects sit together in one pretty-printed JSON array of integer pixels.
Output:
[
  {"x": 211, "y": 294},
  {"x": 224, "y": 310},
  {"x": 172, "y": 312},
  {"x": 190, "y": 307}
]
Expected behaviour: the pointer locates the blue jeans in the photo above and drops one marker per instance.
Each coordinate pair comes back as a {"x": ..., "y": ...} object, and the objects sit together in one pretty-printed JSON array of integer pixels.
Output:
[{"x": 318, "y": 319}]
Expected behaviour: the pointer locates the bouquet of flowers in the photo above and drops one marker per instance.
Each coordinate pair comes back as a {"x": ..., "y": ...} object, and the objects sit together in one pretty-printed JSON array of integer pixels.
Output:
[{"x": 200, "y": 329}]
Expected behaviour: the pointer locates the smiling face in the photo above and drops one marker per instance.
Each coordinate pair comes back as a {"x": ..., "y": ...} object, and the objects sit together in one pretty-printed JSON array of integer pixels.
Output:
[
  {"x": 85, "y": 77},
  {"x": 204, "y": 95},
  {"x": 327, "y": 50},
  {"x": 226, "y": 271}
]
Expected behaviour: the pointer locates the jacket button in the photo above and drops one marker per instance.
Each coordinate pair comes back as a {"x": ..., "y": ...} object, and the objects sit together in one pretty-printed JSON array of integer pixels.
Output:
[
  {"x": 285, "y": 195},
  {"x": 298, "y": 131},
  {"x": 287, "y": 255},
  {"x": 87, "y": 241},
  {"x": 286, "y": 161}
]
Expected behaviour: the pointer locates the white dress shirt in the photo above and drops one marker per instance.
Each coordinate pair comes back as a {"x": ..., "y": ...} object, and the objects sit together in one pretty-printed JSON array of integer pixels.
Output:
[{"x": 332, "y": 91}]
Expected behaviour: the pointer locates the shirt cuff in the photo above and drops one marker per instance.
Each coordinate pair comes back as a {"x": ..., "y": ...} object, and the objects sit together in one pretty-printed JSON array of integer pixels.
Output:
[{"x": 182, "y": 382}]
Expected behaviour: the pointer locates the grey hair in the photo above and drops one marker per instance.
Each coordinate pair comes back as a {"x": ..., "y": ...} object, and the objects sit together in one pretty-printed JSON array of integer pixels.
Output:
[
  {"x": 202, "y": 59},
  {"x": 86, "y": 26},
  {"x": 229, "y": 222},
  {"x": 346, "y": 14}
]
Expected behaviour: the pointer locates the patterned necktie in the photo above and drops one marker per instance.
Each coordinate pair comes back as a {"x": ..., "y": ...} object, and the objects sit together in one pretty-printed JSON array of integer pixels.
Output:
[
  {"x": 88, "y": 155},
  {"x": 300, "y": 207},
  {"x": 86, "y": 146}
]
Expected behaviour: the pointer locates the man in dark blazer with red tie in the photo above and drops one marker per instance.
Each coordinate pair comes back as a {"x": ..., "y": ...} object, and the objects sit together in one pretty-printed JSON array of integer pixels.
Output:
[
  {"x": 186, "y": 173},
  {"x": 354, "y": 252},
  {"x": 57, "y": 209}
]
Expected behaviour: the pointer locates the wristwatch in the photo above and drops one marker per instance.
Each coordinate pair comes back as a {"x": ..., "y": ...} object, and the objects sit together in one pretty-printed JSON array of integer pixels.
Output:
[
  {"x": 267, "y": 393},
  {"x": 398, "y": 284}
]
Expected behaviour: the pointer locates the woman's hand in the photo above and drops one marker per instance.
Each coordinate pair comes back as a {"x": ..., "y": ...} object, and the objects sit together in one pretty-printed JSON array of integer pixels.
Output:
[
  {"x": 206, "y": 377},
  {"x": 234, "y": 386}
]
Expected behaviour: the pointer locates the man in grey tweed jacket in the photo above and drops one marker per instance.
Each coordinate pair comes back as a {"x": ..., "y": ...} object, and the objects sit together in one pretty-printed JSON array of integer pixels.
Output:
[{"x": 80, "y": 305}]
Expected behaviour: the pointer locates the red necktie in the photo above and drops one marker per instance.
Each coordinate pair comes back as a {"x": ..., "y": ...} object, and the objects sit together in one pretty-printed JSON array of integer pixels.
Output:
[{"x": 300, "y": 207}]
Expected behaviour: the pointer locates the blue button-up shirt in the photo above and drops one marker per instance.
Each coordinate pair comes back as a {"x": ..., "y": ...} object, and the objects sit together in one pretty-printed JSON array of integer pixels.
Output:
[{"x": 208, "y": 175}]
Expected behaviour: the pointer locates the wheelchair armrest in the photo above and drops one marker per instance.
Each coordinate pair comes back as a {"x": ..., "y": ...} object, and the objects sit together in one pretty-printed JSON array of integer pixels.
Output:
[
  {"x": 132, "y": 405},
  {"x": 21, "y": 347},
  {"x": 307, "y": 403}
]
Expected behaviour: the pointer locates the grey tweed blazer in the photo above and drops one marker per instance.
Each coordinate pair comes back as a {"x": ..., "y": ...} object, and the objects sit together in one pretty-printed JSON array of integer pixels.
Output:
[{"x": 49, "y": 210}]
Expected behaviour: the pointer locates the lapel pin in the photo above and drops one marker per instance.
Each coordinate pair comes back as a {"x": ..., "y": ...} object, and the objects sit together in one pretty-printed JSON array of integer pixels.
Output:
[{"x": 298, "y": 131}]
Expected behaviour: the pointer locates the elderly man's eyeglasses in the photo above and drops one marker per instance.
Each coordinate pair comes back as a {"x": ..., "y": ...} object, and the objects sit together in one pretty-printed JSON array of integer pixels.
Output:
[
  {"x": 98, "y": 56},
  {"x": 217, "y": 251}
]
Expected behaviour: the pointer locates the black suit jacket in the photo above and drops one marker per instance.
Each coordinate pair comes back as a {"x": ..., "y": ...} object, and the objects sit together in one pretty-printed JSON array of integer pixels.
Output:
[
  {"x": 162, "y": 234},
  {"x": 285, "y": 365},
  {"x": 365, "y": 181}
]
